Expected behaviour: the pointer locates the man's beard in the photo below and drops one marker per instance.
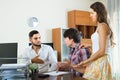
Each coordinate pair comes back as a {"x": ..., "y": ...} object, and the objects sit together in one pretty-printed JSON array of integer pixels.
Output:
[{"x": 37, "y": 45}]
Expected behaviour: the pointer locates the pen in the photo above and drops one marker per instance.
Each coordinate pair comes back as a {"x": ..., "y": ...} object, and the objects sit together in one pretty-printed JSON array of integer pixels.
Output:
[
  {"x": 56, "y": 71},
  {"x": 57, "y": 68}
]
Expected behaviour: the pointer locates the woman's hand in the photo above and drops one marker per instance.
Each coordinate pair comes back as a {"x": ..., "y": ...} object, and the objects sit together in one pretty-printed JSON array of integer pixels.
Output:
[
  {"x": 85, "y": 45},
  {"x": 79, "y": 68},
  {"x": 82, "y": 45},
  {"x": 83, "y": 63}
]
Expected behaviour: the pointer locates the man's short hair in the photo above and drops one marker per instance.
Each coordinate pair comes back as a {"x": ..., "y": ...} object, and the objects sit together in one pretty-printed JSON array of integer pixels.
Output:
[
  {"x": 72, "y": 34},
  {"x": 32, "y": 33}
]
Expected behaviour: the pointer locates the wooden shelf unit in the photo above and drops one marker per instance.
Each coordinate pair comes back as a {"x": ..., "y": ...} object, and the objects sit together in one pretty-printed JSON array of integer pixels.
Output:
[{"x": 82, "y": 21}]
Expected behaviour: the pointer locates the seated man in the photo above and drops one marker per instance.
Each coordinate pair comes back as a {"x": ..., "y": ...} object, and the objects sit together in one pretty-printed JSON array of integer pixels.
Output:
[
  {"x": 77, "y": 54},
  {"x": 39, "y": 54}
]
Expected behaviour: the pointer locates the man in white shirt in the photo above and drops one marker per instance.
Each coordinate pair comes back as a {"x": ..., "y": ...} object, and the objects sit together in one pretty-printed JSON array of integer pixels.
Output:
[{"x": 39, "y": 54}]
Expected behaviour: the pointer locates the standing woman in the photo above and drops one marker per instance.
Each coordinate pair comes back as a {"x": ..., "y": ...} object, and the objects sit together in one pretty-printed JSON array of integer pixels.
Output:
[{"x": 97, "y": 66}]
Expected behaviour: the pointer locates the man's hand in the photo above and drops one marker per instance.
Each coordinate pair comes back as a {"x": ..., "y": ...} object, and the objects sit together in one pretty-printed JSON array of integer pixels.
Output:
[
  {"x": 62, "y": 66},
  {"x": 59, "y": 66},
  {"x": 67, "y": 62},
  {"x": 37, "y": 60}
]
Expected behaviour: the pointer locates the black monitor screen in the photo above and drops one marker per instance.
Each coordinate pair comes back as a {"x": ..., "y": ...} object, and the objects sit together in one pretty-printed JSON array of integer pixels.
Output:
[{"x": 8, "y": 53}]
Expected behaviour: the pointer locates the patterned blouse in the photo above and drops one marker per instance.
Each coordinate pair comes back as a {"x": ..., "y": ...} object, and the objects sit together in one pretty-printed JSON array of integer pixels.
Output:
[{"x": 76, "y": 56}]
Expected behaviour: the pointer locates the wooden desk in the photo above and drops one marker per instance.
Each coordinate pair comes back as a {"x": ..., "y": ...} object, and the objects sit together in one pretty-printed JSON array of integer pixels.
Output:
[{"x": 62, "y": 77}]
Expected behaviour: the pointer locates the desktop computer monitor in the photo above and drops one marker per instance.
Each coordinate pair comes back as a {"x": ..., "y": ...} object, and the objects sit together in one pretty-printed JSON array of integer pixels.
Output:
[{"x": 8, "y": 53}]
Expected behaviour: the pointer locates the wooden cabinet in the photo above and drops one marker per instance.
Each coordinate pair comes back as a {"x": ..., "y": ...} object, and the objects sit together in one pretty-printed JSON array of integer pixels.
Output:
[
  {"x": 81, "y": 20},
  {"x": 76, "y": 17},
  {"x": 58, "y": 43}
]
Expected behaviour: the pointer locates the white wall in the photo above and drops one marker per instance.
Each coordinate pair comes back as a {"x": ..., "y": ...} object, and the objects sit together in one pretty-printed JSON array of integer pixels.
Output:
[
  {"x": 14, "y": 15},
  {"x": 103, "y": 1}
]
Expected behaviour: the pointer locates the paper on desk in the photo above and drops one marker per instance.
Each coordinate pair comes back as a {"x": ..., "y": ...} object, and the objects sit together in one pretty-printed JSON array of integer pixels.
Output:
[
  {"x": 12, "y": 66},
  {"x": 54, "y": 73}
]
